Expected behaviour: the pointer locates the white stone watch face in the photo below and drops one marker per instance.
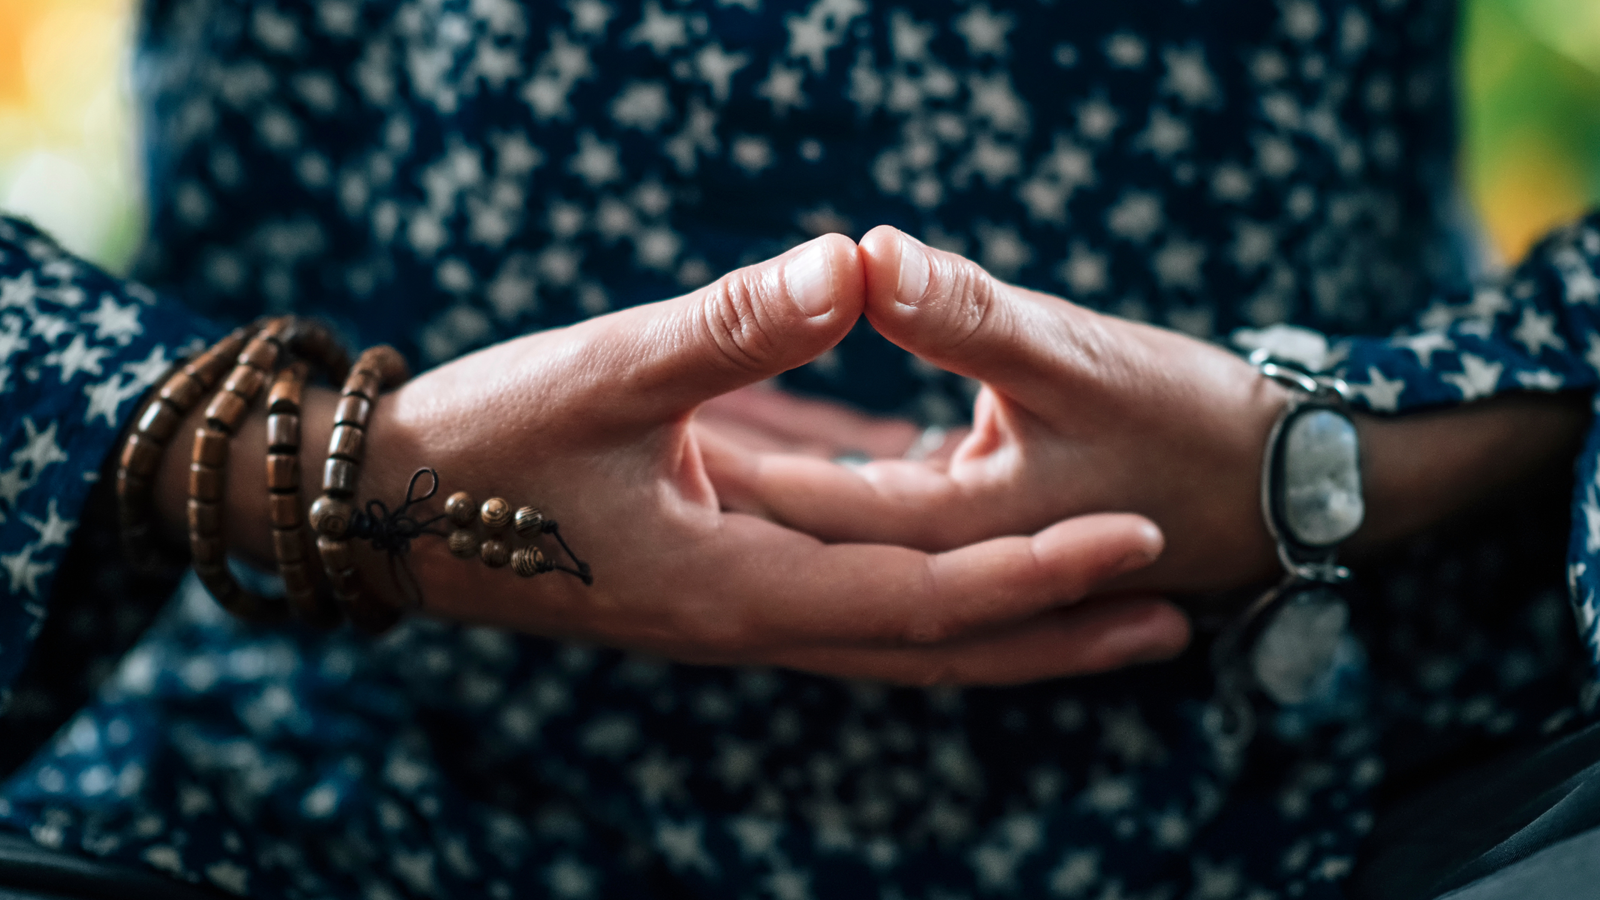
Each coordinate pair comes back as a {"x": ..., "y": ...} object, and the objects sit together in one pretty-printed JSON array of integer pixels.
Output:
[{"x": 1320, "y": 494}]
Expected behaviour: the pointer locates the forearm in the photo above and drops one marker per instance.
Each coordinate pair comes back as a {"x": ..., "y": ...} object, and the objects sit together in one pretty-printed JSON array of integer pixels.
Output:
[{"x": 1423, "y": 468}]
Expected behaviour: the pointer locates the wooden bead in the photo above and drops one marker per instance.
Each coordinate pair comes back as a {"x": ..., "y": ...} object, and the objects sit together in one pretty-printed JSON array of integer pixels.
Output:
[
  {"x": 283, "y": 471},
  {"x": 245, "y": 381},
  {"x": 210, "y": 447},
  {"x": 205, "y": 518},
  {"x": 331, "y": 517},
  {"x": 183, "y": 391},
  {"x": 339, "y": 477},
  {"x": 494, "y": 553},
  {"x": 260, "y": 354},
  {"x": 205, "y": 483},
  {"x": 336, "y": 556},
  {"x": 345, "y": 442},
  {"x": 218, "y": 580},
  {"x": 283, "y": 431},
  {"x": 463, "y": 543},
  {"x": 496, "y": 512},
  {"x": 288, "y": 388},
  {"x": 130, "y": 485},
  {"x": 206, "y": 549},
  {"x": 528, "y": 561},
  {"x": 141, "y": 455},
  {"x": 296, "y": 578},
  {"x": 160, "y": 421},
  {"x": 364, "y": 383},
  {"x": 461, "y": 508},
  {"x": 287, "y": 545},
  {"x": 528, "y": 521},
  {"x": 387, "y": 363},
  {"x": 284, "y": 509},
  {"x": 226, "y": 410},
  {"x": 353, "y": 410},
  {"x": 346, "y": 581}
]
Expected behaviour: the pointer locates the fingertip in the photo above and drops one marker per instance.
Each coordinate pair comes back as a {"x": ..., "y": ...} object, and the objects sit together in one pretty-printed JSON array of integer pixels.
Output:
[
  {"x": 824, "y": 278},
  {"x": 1164, "y": 634}
]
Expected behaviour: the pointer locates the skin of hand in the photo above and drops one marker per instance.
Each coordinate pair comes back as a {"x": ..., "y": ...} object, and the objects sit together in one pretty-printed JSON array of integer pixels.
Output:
[
  {"x": 592, "y": 424},
  {"x": 1081, "y": 412}
]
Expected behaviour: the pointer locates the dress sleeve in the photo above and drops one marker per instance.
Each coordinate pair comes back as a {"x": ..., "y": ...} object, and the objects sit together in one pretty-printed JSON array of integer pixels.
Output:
[
  {"x": 1537, "y": 329},
  {"x": 77, "y": 350}
]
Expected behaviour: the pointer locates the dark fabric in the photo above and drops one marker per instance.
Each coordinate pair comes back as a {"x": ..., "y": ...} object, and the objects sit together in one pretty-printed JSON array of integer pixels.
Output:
[
  {"x": 31, "y": 872},
  {"x": 1484, "y": 820}
]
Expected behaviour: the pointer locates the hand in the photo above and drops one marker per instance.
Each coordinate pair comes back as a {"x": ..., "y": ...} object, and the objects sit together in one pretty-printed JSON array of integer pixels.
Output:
[
  {"x": 1079, "y": 413},
  {"x": 592, "y": 424},
  {"x": 762, "y": 417}
]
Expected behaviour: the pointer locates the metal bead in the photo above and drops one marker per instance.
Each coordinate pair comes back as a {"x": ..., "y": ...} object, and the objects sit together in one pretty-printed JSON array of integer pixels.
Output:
[
  {"x": 496, "y": 512},
  {"x": 463, "y": 543},
  {"x": 528, "y": 561},
  {"x": 495, "y": 553},
  {"x": 528, "y": 521},
  {"x": 330, "y": 517},
  {"x": 461, "y": 508}
]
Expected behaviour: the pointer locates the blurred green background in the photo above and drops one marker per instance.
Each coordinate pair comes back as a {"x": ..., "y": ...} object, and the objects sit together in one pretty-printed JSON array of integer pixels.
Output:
[{"x": 1530, "y": 109}]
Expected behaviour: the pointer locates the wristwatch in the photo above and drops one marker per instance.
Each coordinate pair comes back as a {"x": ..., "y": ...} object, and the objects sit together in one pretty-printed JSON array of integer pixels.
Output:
[{"x": 1286, "y": 641}]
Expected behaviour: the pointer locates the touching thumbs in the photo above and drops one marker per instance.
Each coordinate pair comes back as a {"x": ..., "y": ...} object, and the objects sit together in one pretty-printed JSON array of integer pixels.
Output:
[
  {"x": 949, "y": 311},
  {"x": 747, "y": 326}
]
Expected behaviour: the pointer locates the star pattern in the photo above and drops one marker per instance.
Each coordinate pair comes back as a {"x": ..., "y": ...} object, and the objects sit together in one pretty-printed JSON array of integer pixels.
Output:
[{"x": 499, "y": 167}]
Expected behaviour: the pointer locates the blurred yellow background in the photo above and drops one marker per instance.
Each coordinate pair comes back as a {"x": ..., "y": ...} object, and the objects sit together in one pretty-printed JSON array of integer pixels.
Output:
[{"x": 1530, "y": 105}]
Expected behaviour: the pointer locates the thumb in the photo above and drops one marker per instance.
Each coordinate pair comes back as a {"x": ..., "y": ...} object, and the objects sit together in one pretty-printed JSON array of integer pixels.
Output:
[
  {"x": 745, "y": 327},
  {"x": 946, "y": 309}
]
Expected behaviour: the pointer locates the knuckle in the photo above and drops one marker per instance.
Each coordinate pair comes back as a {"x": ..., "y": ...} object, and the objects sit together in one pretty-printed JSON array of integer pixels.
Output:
[
  {"x": 732, "y": 318},
  {"x": 976, "y": 309}
]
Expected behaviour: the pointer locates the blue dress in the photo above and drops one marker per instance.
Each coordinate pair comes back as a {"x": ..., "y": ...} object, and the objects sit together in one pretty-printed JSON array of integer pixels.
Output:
[{"x": 444, "y": 174}]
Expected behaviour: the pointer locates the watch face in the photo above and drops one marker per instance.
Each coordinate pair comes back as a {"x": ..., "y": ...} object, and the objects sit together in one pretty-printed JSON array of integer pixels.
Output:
[{"x": 1316, "y": 489}]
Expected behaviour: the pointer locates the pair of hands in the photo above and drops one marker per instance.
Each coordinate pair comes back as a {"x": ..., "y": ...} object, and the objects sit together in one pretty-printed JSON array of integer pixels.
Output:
[{"x": 717, "y": 534}]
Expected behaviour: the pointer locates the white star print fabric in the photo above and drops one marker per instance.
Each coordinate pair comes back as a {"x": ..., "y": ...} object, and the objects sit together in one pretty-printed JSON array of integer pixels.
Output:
[{"x": 443, "y": 174}]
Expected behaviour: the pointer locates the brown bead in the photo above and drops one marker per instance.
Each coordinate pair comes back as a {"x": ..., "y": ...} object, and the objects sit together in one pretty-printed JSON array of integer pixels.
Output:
[
  {"x": 352, "y": 410},
  {"x": 463, "y": 543},
  {"x": 331, "y": 517},
  {"x": 283, "y": 471},
  {"x": 283, "y": 431},
  {"x": 336, "y": 555},
  {"x": 205, "y": 518},
  {"x": 339, "y": 477},
  {"x": 345, "y": 442},
  {"x": 206, "y": 549},
  {"x": 287, "y": 545},
  {"x": 296, "y": 578},
  {"x": 245, "y": 381},
  {"x": 260, "y": 354},
  {"x": 183, "y": 391},
  {"x": 363, "y": 382},
  {"x": 141, "y": 455},
  {"x": 226, "y": 410},
  {"x": 205, "y": 483},
  {"x": 528, "y": 521},
  {"x": 461, "y": 508},
  {"x": 346, "y": 581},
  {"x": 496, "y": 512},
  {"x": 494, "y": 553},
  {"x": 288, "y": 387},
  {"x": 210, "y": 447},
  {"x": 219, "y": 581},
  {"x": 528, "y": 561},
  {"x": 387, "y": 362},
  {"x": 284, "y": 509},
  {"x": 160, "y": 421}
]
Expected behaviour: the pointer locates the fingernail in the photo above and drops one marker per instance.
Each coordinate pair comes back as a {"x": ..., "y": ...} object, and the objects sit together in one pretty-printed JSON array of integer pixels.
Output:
[
  {"x": 807, "y": 278},
  {"x": 913, "y": 272},
  {"x": 1148, "y": 551}
]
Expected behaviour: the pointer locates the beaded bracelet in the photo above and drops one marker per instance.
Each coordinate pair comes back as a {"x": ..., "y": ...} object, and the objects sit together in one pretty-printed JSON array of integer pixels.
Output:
[
  {"x": 208, "y": 472},
  {"x": 333, "y": 512},
  {"x": 143, "y": 449},
  {"x": 283, "y": 497}
]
